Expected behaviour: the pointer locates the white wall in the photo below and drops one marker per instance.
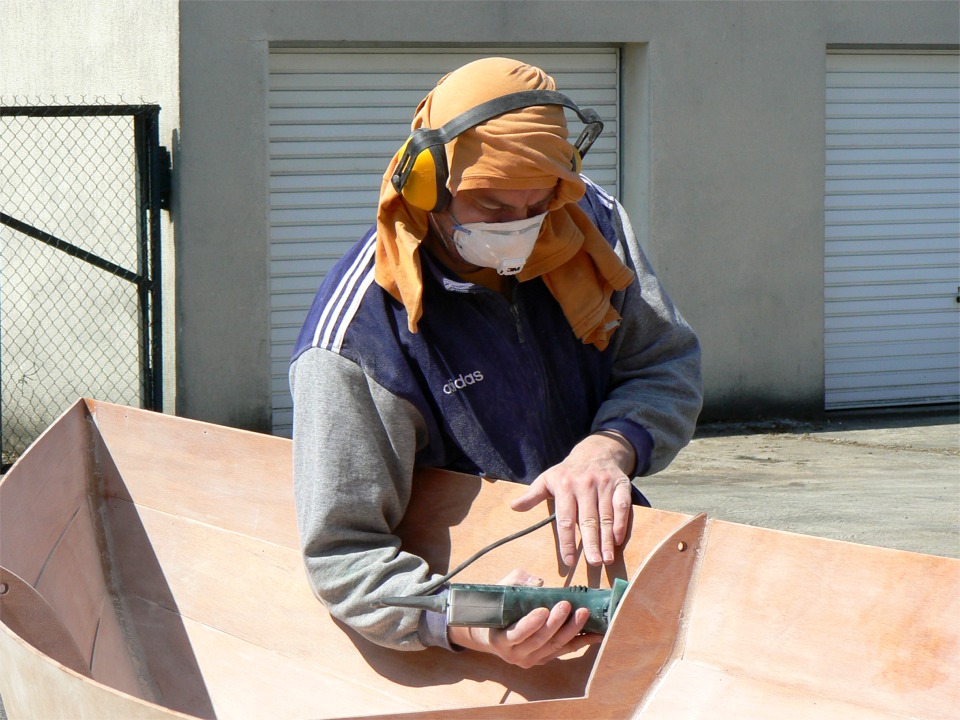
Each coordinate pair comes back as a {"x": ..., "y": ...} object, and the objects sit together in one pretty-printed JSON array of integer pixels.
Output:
[{"x": 723, "y": 157}]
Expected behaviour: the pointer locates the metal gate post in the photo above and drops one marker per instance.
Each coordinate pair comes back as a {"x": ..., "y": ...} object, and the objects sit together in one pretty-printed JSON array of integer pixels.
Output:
[{"x": 151, "y": 178}]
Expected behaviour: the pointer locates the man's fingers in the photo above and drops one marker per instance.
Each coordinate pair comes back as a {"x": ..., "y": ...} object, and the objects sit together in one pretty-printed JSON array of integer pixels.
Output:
[
  {"x": 567, "y": 529},
  {"x": 590, "y": 531},
  {"x": 560, "y": 634},
  {"x": 622, "y": 509},
  {"x": 543, "y": 635},
  {"x": 535, "y": 494},
  {"x": 602, "y": 522},
  {"x": 548, "y": 635},
  {"x": 601, "y": 509},
  {"x": 609, "y": 543},
  {"x": 563, "y": 630},
  {"x": 526, "y": 627},
  {"x": 597, "y": 517},
  {"x": 614, "y": 518}
]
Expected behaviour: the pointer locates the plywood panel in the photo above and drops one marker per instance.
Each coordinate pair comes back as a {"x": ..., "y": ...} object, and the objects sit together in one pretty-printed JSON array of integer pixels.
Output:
[
  {"x": 188, "y": 575},
  {"x": 237, "y": 480},
  {"x": 72, "y": 581},
  {"x": 217, "y": 619},
  {"x": 871, "y": 626},
  {"x": 215, "y": 577},
  {"x": 226, "y": 582},
  {"x": 698, "y": 692},
  {"x": 51, "y": 480},
  {"x": 28, "y": 615},
  {"x": 34, "y": 687},
  {"x": 167, "y": 661},
  {"x": 113, "y": 662},
  {"x": 290, "y": 688}
]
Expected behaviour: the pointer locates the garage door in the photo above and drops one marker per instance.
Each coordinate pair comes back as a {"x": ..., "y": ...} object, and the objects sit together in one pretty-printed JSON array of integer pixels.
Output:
[
  {"x": 892, "y": 224},
  {"x": 335, "y": 120}
]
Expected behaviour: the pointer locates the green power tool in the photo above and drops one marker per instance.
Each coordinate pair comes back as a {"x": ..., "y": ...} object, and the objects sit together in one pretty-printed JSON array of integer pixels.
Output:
[{"x": 498, "y": 606}]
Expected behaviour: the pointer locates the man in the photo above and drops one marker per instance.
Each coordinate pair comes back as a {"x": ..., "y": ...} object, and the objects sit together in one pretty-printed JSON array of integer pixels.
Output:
[{"x": 501, "y": 320}]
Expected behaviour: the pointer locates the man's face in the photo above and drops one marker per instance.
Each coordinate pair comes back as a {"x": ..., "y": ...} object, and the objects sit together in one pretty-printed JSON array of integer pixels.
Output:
[
  {"x": 488, "y": 206},
  {"x": 497, "y": 206}
]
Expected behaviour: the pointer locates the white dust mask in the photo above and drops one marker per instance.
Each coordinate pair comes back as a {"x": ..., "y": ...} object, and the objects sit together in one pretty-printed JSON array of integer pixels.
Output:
[{"x": 504, "y": 246}]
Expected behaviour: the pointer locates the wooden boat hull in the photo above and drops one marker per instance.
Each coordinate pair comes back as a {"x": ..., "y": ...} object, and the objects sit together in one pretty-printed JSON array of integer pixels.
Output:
[{"x": 151, "y": 569}]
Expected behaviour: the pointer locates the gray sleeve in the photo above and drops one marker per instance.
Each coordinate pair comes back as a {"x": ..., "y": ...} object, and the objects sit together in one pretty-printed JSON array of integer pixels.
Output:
[
  {"x": 354, "y": 446},
  {"x": 656, "y": 375}
]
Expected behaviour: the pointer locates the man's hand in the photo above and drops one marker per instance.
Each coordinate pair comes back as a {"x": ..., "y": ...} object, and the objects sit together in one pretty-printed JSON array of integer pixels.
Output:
[
  {"x": 592, "y": 491},
  {"x": 537, "y": 638}
]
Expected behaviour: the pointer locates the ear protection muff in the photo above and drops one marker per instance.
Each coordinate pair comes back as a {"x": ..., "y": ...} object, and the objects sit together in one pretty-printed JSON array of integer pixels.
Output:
[{"x": 421, "y": 174}]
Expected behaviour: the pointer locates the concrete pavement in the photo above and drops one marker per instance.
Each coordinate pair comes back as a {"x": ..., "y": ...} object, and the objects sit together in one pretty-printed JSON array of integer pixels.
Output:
[{"x": 890, "y": 479}]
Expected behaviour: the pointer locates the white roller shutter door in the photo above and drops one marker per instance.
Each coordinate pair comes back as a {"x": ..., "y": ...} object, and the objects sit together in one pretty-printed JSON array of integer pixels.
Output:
[
  {"x": 335, "y": 119},
  {"x": 892, "y": 224}
]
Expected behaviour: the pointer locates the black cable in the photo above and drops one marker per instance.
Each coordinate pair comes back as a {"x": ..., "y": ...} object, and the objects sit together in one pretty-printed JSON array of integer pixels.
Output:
[{"x": 477, "y": 555}]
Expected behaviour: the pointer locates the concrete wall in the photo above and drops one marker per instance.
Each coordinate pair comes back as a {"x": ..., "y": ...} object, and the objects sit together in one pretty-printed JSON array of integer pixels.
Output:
[
  {"x": 723, "y": 168},
  {"x": 99, "y": 52}
]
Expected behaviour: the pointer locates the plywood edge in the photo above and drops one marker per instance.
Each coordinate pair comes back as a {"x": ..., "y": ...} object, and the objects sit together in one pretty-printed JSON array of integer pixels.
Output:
[
  {"x": 647, "y": 631},
  {"x": 562, "y": 709},
  {"x": 106, "y": 414}
]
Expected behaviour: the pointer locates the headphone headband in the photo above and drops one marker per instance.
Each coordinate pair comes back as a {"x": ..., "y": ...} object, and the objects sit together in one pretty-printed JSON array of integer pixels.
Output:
[
  {"x": 431, "y": 140},
  {"x": 514, "y": 101}
]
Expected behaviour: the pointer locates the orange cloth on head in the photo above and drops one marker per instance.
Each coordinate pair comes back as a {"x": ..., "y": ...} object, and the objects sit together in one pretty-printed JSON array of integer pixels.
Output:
[{"x": 524, "y": 149}]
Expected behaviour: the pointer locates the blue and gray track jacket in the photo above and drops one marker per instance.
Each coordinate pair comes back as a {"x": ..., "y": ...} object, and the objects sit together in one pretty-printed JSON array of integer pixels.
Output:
[{"x": 488, "y": 385}]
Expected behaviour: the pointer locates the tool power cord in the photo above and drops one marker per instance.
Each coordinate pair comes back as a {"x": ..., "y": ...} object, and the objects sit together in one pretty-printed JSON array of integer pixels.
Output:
[{"x": 480, "y": 553}]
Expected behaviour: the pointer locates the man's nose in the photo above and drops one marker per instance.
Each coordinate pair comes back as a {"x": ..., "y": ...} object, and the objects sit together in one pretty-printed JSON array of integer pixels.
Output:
[{"x": 512, "y": 214}]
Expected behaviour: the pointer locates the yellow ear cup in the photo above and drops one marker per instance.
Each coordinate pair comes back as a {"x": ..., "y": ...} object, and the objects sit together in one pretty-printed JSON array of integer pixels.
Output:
[{"x": 421, "y": 187}]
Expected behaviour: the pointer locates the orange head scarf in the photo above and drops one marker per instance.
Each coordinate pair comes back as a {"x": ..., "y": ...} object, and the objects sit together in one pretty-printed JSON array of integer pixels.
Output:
[{"x": 524, "y": 149}]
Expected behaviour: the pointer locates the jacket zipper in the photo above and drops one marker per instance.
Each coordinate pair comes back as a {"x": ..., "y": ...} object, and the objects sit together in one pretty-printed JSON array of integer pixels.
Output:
[{"x": 515, "y": 311}]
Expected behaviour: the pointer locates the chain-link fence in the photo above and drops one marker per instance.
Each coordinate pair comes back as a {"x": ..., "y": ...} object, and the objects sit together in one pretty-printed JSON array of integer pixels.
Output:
[{"x": 79, "y": 263}]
